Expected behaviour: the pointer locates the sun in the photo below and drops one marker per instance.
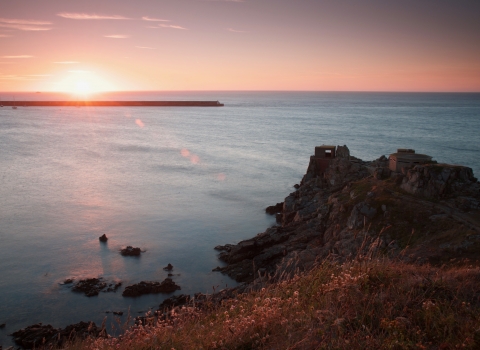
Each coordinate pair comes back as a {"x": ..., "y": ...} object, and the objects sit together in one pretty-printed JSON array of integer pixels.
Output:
[
  {"x": 82, "y": 82},
  {"x": 82, "y": 87}
]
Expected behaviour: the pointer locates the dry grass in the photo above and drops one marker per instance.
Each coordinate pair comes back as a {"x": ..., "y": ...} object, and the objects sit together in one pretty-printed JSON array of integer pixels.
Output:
[{"x": 363, "y": 304}]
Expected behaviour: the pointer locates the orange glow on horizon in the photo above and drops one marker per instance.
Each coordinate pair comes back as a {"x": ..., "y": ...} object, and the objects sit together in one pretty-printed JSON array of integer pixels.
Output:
[{"x": 234, "y": 45}]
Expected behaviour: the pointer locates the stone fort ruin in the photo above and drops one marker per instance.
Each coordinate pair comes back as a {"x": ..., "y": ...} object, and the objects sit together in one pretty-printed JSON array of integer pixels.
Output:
[{"x": 406, "y": 158}]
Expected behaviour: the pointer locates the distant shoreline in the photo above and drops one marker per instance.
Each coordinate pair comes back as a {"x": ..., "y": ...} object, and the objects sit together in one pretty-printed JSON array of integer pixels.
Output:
[{"x": 113, "y": 103}]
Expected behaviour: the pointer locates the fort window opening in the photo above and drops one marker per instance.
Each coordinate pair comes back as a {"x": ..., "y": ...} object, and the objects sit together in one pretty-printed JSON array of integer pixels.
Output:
[{"x": 328, "y": 153}]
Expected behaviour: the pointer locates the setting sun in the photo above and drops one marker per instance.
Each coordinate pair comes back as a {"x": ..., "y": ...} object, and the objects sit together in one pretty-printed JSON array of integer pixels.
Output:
[
  {"x": 82, "y": 87},
  {"x": 82, "y": 82}
]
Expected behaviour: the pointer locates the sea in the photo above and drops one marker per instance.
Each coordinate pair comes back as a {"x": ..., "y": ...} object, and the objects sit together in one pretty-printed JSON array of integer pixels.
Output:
[{"x": 176, "y": 182}]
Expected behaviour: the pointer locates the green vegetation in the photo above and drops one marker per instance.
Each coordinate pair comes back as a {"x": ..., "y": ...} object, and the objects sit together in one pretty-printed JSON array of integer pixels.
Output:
[{"x": 362, "y": 304}]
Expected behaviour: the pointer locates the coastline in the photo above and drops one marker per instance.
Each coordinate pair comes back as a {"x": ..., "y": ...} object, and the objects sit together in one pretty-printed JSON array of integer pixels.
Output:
[{"x": 351, "y": 208}]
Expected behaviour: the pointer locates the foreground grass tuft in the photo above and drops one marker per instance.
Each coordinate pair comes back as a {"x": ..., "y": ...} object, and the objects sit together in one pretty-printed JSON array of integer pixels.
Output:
[{"x": 373, "y": 304}]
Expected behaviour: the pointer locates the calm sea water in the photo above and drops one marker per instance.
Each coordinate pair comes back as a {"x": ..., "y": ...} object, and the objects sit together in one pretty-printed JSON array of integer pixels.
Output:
[{"x": 178, "y": 181}]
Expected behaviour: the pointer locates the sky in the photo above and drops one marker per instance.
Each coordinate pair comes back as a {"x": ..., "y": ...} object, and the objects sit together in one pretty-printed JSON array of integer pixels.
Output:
[{"x": 294, "y": 45}]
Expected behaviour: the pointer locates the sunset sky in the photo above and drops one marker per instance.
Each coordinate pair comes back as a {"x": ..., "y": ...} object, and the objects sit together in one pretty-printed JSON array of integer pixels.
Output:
[{"x": 334, "y": 45}]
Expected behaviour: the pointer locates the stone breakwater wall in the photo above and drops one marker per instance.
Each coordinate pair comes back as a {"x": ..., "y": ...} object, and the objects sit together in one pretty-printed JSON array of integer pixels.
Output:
[
  {"x": 113, "y": 103},
  {"x": 361, "y": 208}
]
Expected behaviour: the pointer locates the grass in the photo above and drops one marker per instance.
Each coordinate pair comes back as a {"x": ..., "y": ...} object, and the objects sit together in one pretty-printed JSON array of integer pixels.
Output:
[{"x": 362, "y": 304}]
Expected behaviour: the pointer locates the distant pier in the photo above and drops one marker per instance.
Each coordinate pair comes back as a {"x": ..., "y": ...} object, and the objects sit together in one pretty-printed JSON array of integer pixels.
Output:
[{"x": 112, "y": 103}]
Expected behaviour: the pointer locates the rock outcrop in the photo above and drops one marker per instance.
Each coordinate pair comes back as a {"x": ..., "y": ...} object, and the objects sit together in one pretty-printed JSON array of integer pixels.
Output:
[
  {"x": 436, "y": 181},
  {"x": 358, "y": 208},
  {"x": 150, "y": 287},
  {"x": 92, "y": 286},
  {"x": 39, "y": 336}
]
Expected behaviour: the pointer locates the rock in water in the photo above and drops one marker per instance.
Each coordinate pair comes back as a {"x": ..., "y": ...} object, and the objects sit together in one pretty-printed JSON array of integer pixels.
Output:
[
  {"x": 169, "y": 267},
  {"x": 130, "y": 251},
  {"x": 103, "y": 238},
  {"x": 90, "y": 286},
  {"x": 274, "y": 209},
  {"x": 149, "y": 287}
]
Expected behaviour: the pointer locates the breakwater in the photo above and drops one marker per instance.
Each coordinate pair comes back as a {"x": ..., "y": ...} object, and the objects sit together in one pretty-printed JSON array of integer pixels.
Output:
[{"x": 80, "y": 103}]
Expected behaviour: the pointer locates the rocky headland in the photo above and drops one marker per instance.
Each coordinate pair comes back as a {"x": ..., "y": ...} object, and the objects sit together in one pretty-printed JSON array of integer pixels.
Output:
[{"x": 424, "y": 213}]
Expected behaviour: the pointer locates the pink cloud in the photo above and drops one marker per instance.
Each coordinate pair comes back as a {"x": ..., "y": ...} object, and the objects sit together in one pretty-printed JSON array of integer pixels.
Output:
[
  {"x": 19, "y": 56},
  {"x": 23, "y": 21},
  {"x": 146, "y": 18},
  {"x": 117, "y": 36},
  {"x": 24, "y": 24},
  {"x": 236, "y": 31},
  {"x": 171, "y": 26},
  {"x": 89, "y": 16}
]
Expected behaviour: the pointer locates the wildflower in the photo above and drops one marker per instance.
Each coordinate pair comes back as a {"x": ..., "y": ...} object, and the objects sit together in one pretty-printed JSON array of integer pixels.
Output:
[{"x": 428, "y": 305}]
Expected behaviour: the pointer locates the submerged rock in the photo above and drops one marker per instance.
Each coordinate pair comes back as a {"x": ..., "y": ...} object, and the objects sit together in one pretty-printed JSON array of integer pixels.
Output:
[
  {"x": 150, "y": 287},
  {"x": 130, "y": 251}
]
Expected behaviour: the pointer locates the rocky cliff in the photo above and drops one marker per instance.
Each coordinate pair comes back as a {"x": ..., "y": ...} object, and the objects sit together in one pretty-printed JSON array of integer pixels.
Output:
[{"x": 429, "y": 213}]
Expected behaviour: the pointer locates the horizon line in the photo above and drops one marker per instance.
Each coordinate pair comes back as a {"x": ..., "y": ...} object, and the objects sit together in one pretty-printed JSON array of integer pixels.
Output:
[{"x": 246, "y": 90}]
